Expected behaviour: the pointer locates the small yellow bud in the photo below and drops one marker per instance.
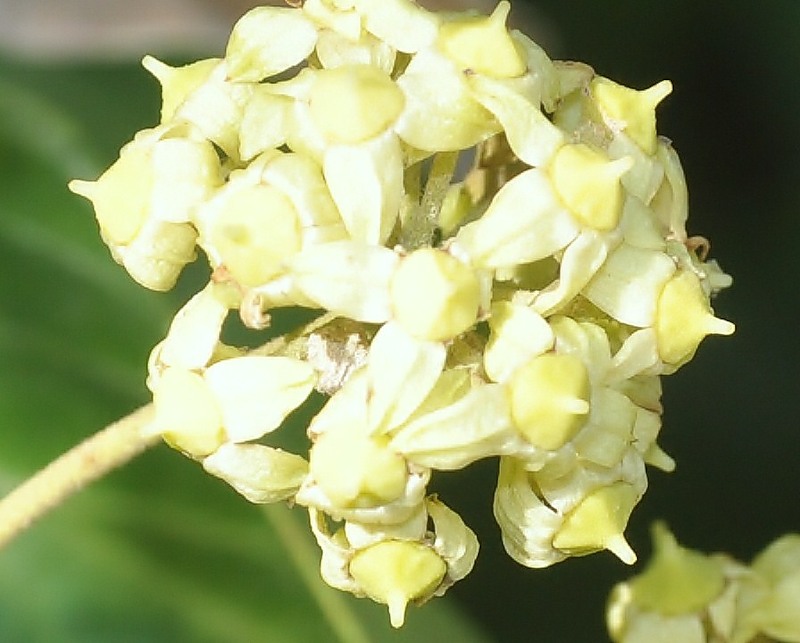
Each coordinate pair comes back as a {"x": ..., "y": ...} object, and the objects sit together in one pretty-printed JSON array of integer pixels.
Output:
[
  {"x": 434, "y": 296},
  {"x": 177, "y": 83},
  {"x": 394, "y": 572},
  {"x": 158, "y": 253},
  {"x": 630, "y": 110},
  {"x": 550, "y": 399},
  {"x": 589, "y": 184},
  {"x": 121, "y": 195},
  {"x": 187, "y": 414},
  {"x": 255, "y": 230},
  {"x": 483, "y": 45},
  {"x": 676, "y": 580},
  {"x": 356, "y": 470},
  {"x": 353, "y": 103},
  {"x": 684, "y": 318},
  {"x": 598, "y": 522}
]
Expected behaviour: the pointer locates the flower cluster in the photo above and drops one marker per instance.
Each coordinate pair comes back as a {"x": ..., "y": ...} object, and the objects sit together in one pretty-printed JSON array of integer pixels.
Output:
[
  {"x": 496, "y": 244},
  {"x": 686, "y": 596}
]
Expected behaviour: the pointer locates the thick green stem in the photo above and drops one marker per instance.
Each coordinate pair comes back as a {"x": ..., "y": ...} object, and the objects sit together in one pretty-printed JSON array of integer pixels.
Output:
[{"x": 104, "y": 451}]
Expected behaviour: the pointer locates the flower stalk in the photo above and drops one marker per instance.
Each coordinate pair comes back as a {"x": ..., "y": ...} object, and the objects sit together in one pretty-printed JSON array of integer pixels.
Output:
[{"x": 106, "y": 450}]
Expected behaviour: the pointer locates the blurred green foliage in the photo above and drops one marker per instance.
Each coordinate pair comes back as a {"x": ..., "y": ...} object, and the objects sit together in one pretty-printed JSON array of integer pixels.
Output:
[{"x": 161, "y": 552}]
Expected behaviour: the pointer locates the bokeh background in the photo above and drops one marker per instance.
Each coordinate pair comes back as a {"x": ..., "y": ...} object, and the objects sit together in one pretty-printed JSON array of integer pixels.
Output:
[{"x": 159, "y": 551}]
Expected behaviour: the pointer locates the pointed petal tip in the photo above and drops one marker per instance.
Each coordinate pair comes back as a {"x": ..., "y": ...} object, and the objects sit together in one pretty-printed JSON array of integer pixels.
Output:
[
  {"x": 397, "y": 609},
  {"x": 658, "y": 92},
  {"x": 618, "y": 546},
  {"x": 157, "y": 68},
  {"x": 717, "y": 326},
  {"x": 82, "y": 188},
  {"x": 657, "y": 458}
]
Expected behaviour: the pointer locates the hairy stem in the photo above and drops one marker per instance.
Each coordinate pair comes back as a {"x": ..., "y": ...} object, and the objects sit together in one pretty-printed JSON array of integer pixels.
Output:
[{"x": 107, "y": 449}]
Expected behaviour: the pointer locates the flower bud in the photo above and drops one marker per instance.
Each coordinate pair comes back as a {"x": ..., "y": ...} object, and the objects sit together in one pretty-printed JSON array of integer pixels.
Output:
[
  {"x": 483, "y": 45},
  {"x": 589, "y": 183},
  {"x": 252, "y": 230},
  {"x": 598, "y": 522},
  {"x": 395, "y": 572},
  {"x": 684, "y": 318},
  {"x": 355, "y": 469},
  {"x": 676, "y": 580},
  {"x": 434, "y": 296},
  {"x": 187, "y": 415},
  {"x": 178, "y": 83},
  {"x": 549, "y": 399},
  {"x": 629, "y": 110}
]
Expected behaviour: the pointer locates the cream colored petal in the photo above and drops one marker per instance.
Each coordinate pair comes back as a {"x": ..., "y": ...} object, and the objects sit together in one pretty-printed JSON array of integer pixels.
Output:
[
  {"x": 215, "y": 108},
  {"x": 156, "y": 257},
  {"x": 186, "y": 171},
  {"x": 348, "y": 278},
  {"x": 551, "y": 78},
  {"x": 361, "y": 535},
  {"x": 346, "y": 407},
  {"x": 527, "y": 524},
  {"x": 336, "y": 553},
  {"x": 341, "y": 20},
  {"x": 629, "y": 283},
  {"x": 402, "y": 371},
  {"x": 440, "y": 112},
  {"x": 301, "y": 180},
  {"x": 518, "y": 334},
  {"x": 582, "y": 258},
  {"x": 609, "y": 431},
  {"x": 194, "y": 332},
  {"x": 335, "y": 50},
  {"x": 647, "y": 172},
  {"x": 268, "y": 40},
  {"x": 257, "y": 393},
  {"x": 531, "y": 135},
  {"x": 476, "y": 426},
  {"x": 672, "y": 203},
  {"x": 402, "y": 23},
  {"x": 639, "y": 225},
  {"x": 366, "y": 182},
  {"x": 639, "y": 353},
  {"x": 455, "y": 542},
  {"x": 265, "y": 121},
  {"x": 260, "y": 473},
  {"x": 524, "y": 222}
]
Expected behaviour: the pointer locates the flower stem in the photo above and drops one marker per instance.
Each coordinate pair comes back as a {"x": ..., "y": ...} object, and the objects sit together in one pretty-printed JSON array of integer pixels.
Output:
[{"x": 107, "y": 449}]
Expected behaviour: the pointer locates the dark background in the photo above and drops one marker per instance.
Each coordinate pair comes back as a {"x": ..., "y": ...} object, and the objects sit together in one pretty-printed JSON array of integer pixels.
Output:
[{"x": 730, "y": 416}]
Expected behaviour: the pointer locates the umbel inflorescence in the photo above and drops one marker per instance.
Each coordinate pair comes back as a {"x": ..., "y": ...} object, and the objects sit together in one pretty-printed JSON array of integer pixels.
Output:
[{"x": 496, "y": 246}]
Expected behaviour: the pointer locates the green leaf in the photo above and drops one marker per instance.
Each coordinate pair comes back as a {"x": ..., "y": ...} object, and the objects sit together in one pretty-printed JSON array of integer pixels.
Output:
[{"x": 158, "y": 551}]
